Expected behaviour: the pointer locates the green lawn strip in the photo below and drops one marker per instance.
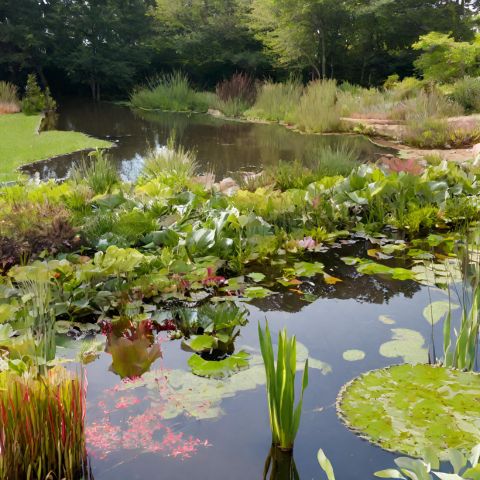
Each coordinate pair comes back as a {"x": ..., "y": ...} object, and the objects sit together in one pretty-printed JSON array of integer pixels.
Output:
[{"x": 21, "y": 144}]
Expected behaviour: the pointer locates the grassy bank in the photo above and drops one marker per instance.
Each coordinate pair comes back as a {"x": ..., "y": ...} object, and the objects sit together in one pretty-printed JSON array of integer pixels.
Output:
[{"x": 20, "y": 143}]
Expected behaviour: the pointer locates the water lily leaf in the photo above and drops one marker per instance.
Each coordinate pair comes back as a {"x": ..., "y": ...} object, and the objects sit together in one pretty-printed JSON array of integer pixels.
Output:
[
  {"x": 307, "y": 269},
  {"x": 257, "y": 292},
  {"x": 386, "y": 319},
  {"x": 351, "y": 260},
  {"x": 405, "y": 343},
  {"x": 353, "y": 355},
  {"x": 221, "y": 368},
  {"x": 201, "y": 343},
  {"x": 330, "y": 280},
  {"x": 372, "y": 268},
  {"x": 288, "y": 282},
  {"x": 434, "y": 312},
  {"x": 393, "y": 408},
  {"x": 256, "y": 277}
]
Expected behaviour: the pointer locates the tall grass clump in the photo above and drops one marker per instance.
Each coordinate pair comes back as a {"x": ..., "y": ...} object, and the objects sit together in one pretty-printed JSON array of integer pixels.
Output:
[
  {"x": 9, "y": 102},
  {"x": 318, "y": 110},
  {"x": 173, "y": 164},
  {"x": 42, "y": 432},
  {"x": 97, "y": 172},
  {"x": 466, "y": 92},
  {"x": 276, "y": 102},
  {"x": 462, "y": 352},
  {"x": 171, "y": 92},
  {"x": 235, "y": 95},
  {"x": 284, "y": 415}
]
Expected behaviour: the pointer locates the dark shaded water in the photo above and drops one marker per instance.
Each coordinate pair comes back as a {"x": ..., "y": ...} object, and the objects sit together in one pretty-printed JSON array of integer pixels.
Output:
[{"x": 221, "y": 146}]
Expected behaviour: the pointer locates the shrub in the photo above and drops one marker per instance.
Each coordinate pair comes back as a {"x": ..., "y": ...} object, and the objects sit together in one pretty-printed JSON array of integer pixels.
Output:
[
  {"x": 240, "y": 86},
  {"x": 35, "y": 101},
  {"x": 98, "y": 173},
  {"x": 28, "y": 229},
  {"x": 9, "y": 102},
  {"x": 466, "y": 92},
  {"x": 170, "y": 92},
  {"x": 276, "y": 101},
  {"x": 45, "y": 435},
  {"x": 318, "y": 110},
  {"x": 427, "y": 132}
]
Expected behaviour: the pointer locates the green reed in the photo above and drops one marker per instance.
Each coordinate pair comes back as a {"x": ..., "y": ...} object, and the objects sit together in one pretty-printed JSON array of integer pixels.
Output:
[{"x": 284, "y": 415}]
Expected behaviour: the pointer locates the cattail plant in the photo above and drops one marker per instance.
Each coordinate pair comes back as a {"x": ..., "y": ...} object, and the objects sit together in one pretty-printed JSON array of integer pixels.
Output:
[
  {"x": 284, "y": 415},
  {"x": 42, "y": 431}
]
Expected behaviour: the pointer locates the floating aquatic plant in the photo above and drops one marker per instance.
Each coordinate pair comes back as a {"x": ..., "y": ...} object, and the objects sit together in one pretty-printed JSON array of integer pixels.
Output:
[
  {"x": 284, "y": 415},
  {"x": 409, "y": 408}
]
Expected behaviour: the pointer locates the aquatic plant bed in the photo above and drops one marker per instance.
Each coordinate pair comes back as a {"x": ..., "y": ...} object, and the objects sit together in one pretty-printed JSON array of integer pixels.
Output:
[
  {"x": 156, "y": 288},
  {"x": 21, "y": 143}
]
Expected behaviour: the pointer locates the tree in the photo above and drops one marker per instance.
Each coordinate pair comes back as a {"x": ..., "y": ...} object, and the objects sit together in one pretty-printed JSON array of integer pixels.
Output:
[
  {"x": 303, "y": 34},
  {"x": 210, "y": 39},
  {"x": 444, "y": 59},
  {"x": 103, "y": 43}
]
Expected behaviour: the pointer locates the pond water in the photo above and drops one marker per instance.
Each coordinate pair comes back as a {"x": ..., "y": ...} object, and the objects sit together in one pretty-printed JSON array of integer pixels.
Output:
[
  {"x": 221, "y": 146},
  {"x": 172, "y": 424}
]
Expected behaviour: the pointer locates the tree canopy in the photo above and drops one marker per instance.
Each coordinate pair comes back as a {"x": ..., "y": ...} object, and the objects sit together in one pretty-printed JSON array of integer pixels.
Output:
[{"x": 107, "y": 46}]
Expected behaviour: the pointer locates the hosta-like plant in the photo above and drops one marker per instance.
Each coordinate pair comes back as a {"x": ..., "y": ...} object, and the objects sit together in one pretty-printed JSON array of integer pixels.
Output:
[{"x": 284, "y": 415}]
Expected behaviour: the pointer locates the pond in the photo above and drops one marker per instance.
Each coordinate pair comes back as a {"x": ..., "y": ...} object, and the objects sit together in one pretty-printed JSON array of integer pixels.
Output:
[
  {"x": 160, "y": 420},
  {"x": 221, "y": 146},
  {"x": 182, "y": 425}
]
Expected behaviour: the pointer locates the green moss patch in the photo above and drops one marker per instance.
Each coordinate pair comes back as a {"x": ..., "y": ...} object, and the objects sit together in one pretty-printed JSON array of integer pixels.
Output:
[
  {"x": 20, "y": 143},
  {"x": 407, "y": 408}
]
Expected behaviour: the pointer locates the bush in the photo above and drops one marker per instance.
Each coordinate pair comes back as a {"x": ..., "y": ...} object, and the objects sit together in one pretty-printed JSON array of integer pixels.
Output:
[
  {"x": 98, "y": 173},
  {"x": 9, "y": 102},
  {"x": 170, "y": 92},
  {"x": 240, "y": 86},
  {"x": 318, "y": 110},
  {"x": 35, "y": 101},
  {"x": 276, "y": 101},
  {"x": 466, "y": 92},
  {"x": 427, "y": 132}
]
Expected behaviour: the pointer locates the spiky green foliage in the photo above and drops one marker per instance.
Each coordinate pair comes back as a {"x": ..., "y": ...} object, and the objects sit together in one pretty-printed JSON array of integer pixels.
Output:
[
  {"x": 284, "y": 415},
  {"x": 42, "y": 430}
]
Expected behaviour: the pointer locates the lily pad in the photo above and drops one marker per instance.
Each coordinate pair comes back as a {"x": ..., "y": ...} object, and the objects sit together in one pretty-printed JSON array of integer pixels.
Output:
[
  {"x": 218, "y": 368},
  {"x": 201, "y": 343},
  {"x": 434, "y": 312},
  {"x": 386, "y": 319},
  {"x": 353, "y": 355},
  {"x": 405, "y": 343},
  {"x": 409, "y": 408}
]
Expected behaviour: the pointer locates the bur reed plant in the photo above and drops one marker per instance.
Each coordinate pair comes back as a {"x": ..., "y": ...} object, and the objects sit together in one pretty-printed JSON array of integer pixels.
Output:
[
  {"x": 9, "y": 102},
  {"x": 97, "y": 172},
  {"x": 171, "y": 92},
  {"x": 42, "y": 432},
  {"x": 462, "y": 353},
  {"x": 284, "y": 415},
  {"x": 276, "y": 102},
  {"x": 172, "y": 164},
  {"x": 318, "y": 110}
]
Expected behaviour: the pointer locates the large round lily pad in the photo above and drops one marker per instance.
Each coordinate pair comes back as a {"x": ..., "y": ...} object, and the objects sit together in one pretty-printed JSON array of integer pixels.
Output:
[{"x": 407, "y": 408}]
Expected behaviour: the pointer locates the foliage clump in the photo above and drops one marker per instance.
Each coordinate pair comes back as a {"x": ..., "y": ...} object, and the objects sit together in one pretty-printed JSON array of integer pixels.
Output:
[
  {"x": 35, "y": 101},
  {"x": 9, "y": 102}
]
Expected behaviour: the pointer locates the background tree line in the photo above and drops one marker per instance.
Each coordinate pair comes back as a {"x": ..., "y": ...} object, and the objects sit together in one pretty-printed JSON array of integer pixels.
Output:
[{"x": 105, "y": 47}]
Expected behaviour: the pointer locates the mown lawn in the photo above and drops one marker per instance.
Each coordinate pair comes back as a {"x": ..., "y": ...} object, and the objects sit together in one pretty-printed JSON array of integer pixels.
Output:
[{"x": 20, "y": 143}]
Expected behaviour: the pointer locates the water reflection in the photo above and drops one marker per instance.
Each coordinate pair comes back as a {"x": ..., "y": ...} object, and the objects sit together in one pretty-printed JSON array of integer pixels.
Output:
[
  {"x": 280, "y": 465},
  {"x": 223, "y": 146}
]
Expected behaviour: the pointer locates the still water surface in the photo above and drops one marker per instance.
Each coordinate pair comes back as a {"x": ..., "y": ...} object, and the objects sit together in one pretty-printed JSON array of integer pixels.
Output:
[{"x": 221, "y": 146}]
